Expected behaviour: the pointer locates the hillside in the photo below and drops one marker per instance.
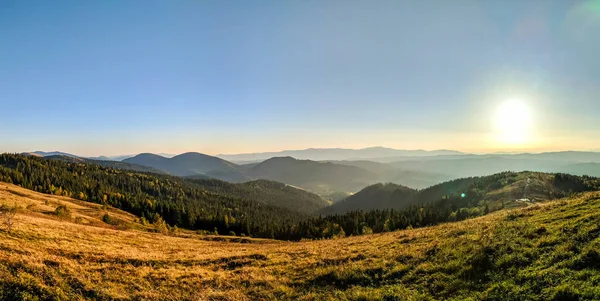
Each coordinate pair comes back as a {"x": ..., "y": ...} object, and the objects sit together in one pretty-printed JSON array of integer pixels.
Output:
[
  {"x": 269, "y": 192},
  {"x": 192, "y": 164},
  {"x": 40, "y": 205},
  {"x": 496, "y": 191},
  {"x": 107, "y": 163},
  {"x": 541, "y": 252},
  {"x": 323, "y": 178}
]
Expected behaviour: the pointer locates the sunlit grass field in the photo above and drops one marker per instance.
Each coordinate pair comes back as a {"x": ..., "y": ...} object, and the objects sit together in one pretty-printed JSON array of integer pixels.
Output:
[{"x": 546, "y": 251}]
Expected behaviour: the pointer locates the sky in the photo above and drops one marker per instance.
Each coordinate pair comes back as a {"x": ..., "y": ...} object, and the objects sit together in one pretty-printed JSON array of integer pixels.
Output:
[{"x": 124, "y": 77}]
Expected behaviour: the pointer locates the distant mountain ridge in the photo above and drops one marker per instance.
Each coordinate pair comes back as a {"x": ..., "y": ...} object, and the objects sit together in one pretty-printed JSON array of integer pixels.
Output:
[
  {"x": 101, "y": 158},
  {"x": 320, "y": 154},
  {"x": 48, "y": 154},
  {"x": 192, "y": 164}
]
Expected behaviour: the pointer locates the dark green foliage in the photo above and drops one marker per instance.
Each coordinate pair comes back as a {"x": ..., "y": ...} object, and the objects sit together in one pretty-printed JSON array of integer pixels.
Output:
[
  {"x": 269, "y": 192},
  {"x": 377, "y": 221},
  {"x": 109, "y": 164}
]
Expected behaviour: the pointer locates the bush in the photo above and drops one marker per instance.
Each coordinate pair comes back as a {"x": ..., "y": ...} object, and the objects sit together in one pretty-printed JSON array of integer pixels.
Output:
[
  {"x": 107, "y": 219},
  {"x": 366, "y": 230},
  {"x": 62, "y": 211},
  {"x": 232, "y": 233},
  {"x": 7, "y": 217}
]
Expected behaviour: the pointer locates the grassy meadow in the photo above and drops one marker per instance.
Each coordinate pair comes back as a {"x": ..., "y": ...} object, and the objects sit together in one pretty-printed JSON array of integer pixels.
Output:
[{"x": 546, "y": 251}]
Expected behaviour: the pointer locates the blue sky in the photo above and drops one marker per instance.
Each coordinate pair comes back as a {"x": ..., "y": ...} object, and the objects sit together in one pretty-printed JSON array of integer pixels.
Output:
[{"x": 119, "y": 77}]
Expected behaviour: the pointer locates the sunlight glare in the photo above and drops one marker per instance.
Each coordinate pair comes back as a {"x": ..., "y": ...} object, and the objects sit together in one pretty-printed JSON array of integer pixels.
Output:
[{"x": 513, "y": 122}]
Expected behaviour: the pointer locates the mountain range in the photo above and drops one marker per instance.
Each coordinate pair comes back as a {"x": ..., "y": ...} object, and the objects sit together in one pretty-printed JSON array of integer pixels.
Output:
[
  {"x": 321, "y": 154},
  {"x": 338, "y": 179}
]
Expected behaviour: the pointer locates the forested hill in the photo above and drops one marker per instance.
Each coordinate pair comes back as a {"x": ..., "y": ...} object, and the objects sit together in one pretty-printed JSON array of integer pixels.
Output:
[
  {"x": 180, "y": 202},
  {"x": 497, "y": 190},
  {"x": 266, "y": 191},
  {"x": 105, "y": 163}
]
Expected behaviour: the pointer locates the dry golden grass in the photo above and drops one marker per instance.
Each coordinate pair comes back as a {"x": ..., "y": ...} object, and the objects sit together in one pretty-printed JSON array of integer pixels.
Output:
[{"x": 48, "y": 258}]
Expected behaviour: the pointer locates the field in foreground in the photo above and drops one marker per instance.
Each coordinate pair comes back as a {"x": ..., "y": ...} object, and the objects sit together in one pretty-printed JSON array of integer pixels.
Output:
[{"x": 541, "y": 252}]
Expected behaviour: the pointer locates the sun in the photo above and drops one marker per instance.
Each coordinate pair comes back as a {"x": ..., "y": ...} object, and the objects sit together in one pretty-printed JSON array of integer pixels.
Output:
[{"x": 513, "y": 123}]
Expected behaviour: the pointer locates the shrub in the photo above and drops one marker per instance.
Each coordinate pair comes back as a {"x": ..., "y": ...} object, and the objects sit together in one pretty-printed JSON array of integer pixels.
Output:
[
  {"x": 107, "y": 219},
  {"x": 232, "y": 233},
  {"x": 161, "y": 226},
  {"x": 366, "y": 230},
  {"x": 7, "y": 217},
  {"x": 144, "y": 221},
  {"x": 62, "y": 211}
]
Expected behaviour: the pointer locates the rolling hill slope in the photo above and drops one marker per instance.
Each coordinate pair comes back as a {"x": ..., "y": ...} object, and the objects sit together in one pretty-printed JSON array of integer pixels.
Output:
[
  {"x": 541, "y": 252},
  {"x": 270, "y": 192},
  {"x": 497, "y": 190}
]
